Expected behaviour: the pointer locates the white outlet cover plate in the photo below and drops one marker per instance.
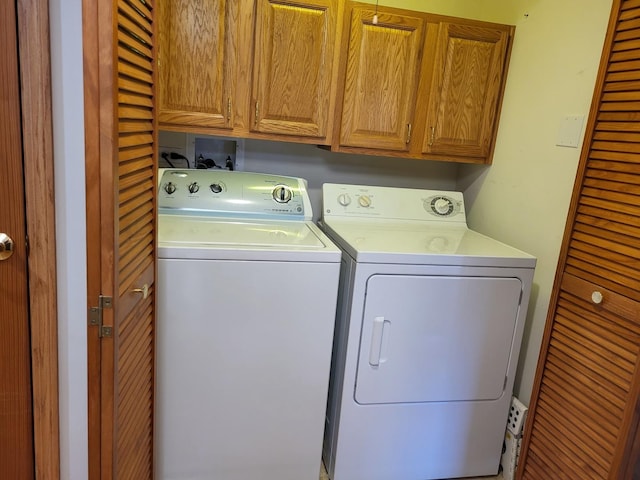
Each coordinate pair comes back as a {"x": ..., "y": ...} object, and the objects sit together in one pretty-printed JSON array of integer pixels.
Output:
[{"x": 570, "y": 131}]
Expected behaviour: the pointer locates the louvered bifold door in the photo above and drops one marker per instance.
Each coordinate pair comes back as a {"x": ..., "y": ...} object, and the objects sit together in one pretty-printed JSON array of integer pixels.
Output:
[
  {"x": 126, "y": 222},
  {"x": 586, "y": 391},
  {"x": 134, "y": 332}
]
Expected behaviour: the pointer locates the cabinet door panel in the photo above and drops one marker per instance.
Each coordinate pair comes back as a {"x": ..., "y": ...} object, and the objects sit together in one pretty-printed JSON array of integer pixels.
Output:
[
  {"x": 196, "y": 62},
  {"x": 293, "y": 62},
  {"x": 382, "y": 75},
  {"x": 465, "y": 90}
]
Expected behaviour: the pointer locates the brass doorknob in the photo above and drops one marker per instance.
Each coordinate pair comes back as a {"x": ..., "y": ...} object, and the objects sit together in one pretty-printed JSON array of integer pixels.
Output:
[{"x": 6, "y": 246}]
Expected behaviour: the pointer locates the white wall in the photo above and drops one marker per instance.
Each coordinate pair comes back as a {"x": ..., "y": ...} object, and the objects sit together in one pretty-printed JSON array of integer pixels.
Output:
[
  {"x": 523, "y": 198},
  {"x": 68, "y": 133}
]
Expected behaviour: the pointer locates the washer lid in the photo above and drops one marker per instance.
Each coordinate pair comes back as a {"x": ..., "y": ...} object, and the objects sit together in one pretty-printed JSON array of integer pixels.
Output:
[
  {"x": 181, "y": 236},
  {"x": 421, "y": 243}
]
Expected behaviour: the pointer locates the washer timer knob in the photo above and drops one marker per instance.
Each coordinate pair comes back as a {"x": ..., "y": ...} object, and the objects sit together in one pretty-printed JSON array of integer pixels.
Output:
[
  {"x": 170, "y": 187},
  {"x": 282, "y": 194},
  {"x": 193, "y": 187},
  {"x": 215, "y": 187},
  {"x": 344, "y": 199}
]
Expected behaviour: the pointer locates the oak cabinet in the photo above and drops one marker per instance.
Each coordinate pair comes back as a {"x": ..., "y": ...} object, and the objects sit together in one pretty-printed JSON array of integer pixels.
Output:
[
  {"x": 197, "y": 63},
  {"x": 293, "y": 79},
  {"x": 412, "y": 84},
  {"x": 381, "y": 79},
  {"x": 250, "y": 68},
  {"x": 422, "y": 86},
  {"x": 463, "y": 104}
]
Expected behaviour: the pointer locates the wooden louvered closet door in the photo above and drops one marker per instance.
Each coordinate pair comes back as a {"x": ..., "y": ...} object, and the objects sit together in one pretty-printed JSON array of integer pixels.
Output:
[
  {"x": 120, "y": 135},
  {"x": 583, "y": 416}
]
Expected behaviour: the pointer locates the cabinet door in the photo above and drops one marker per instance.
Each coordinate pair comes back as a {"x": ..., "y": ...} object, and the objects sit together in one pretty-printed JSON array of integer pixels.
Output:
[
  {"x": 196, "y": 62},
  {"x": 381, "y": 80},
  {"x": 465, "y": 89},
  {"x": 293, "y": 66}
]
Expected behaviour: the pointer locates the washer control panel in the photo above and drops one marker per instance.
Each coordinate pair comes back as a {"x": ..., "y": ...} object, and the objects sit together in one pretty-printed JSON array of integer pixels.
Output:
[
  {"x": 232, "y": 193},
  {"x": 391, "y": 203}
]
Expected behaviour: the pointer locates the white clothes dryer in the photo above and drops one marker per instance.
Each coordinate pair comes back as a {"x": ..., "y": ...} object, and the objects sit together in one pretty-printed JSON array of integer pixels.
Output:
[
  {"x": 247, "y": 289},
  {"x": 428, "y": 331}
]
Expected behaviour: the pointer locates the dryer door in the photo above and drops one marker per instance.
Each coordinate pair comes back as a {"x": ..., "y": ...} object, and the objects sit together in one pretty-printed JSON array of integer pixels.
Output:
[{"x": 436, "y": 338}]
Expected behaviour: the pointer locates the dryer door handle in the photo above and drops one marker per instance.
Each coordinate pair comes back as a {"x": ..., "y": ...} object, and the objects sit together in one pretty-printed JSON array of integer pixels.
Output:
[{"x": 376, "y": 341}]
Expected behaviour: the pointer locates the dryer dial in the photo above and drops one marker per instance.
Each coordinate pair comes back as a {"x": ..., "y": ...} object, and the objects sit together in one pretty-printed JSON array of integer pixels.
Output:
[
  {"x": 344, "y": 199},
  {"x": 193, "y": 187},
  {"x": 441, "y": 206},
  {"x": 364, "y": 201}
]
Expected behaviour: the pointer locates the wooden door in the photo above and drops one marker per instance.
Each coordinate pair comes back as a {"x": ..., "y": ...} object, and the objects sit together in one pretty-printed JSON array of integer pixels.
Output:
[
  {"x": 381, "y": 79},
  {"x": 586, "y": 398},
  {"x": 196, "y": 61},
  {"x": 294, "y": 66},
  {"x": 121, "y": 190},
  {"x": 16, "y": 412},
  {"x": 465, "y": 90}
]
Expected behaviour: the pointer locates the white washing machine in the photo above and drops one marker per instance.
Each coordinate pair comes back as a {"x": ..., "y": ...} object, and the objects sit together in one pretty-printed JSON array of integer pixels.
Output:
[
  {"x": 247, "y": 289},
  {"x": 428, "y": 331}
]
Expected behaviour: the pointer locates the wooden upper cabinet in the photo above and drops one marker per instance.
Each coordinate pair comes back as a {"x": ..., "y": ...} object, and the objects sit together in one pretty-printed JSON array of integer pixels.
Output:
[
  {"x": 196, "y": 62},
  {"x": 320, "y": 71},
  {"x": 294, "y": 57},
  {"x": 466, "y": 90},
  {"x": 381, "y": 79}
]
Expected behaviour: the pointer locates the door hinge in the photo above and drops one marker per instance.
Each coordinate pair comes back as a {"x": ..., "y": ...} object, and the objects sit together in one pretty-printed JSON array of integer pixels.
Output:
[{"x": 95, "y": 316}]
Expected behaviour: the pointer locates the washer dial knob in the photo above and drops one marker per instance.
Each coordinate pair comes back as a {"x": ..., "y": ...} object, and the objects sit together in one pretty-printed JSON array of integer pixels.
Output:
[
  {"x": 170, "y": 187},
  {"x": 364, "y": 201},
  {"x": 344, "y": 199},
  {"x": 215, "y": 187},
  {"x": 193, "y": 187},
  {"x": 282, "y": 194}
]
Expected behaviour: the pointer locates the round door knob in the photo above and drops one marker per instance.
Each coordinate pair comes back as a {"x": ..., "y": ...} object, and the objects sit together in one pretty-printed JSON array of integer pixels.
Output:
[
  {"x": 596, "y": 297},
  {"x": 6, "y": 246}
]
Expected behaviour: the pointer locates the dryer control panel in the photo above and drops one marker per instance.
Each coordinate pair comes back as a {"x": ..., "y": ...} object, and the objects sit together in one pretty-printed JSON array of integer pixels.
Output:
[
  {"x": 389, "y": 203},
  {"x": 233, "y": 194}
]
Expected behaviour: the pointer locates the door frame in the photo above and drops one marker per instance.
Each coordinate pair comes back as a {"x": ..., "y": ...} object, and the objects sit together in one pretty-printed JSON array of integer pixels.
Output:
[{"x": 37, "y": 134}]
